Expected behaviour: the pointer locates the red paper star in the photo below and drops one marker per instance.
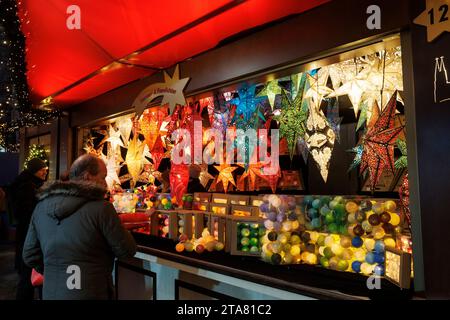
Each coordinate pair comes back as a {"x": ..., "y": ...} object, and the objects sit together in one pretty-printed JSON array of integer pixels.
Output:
[
  {"x": 252, "y": 172},
  {"x": 379, "y": 141}
]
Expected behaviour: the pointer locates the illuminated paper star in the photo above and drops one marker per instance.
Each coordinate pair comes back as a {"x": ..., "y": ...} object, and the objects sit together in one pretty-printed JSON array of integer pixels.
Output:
[
  {"x": 272, "y": 179},
  {"x": 354, "y": 89},
  {"x": 320, "y": 138},
  {"x": 270, "y": 90},
  {"x": 246, "y": 103},
  {"x": 135, "y": 159},
  {"x": 150, "y": 124},
  {"x": 114, "y": 138},
  {"x": 171, "y": 90},
  {"x": 253, "y": 171},
  {"x": 158, "y": 153},
  {"x": 435, "y": 17},
  {"x": 125, "y": 126},
  {"x": 112, "y": 169},
  {"x": 225, "y": 175},
  {"x": 318, "y": 86},
  {"x": 292, "y": 118},
  {"x": 378, "y": 143}
]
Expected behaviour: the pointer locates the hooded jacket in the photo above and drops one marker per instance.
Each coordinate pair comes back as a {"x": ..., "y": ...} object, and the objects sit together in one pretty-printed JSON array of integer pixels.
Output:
[{"x": 74, "y": 235}]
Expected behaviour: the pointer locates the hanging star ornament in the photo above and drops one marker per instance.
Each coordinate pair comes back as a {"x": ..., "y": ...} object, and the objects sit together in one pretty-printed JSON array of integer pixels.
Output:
[
  {"x": 402, "y": 162},
  {"x": 246, "y": 104},
  {"x": 436, "y": 18},
  {"x": 333, "y": 117},
  {"x": 272, "y": 179},
  {"x": 112, "y": 169},
  {"x": 135, "y": 159},
  {"x": 292, "y": 117},
  {"x": 318, "y": 85},
  {"x": 114, "y": 138},
  {"x": 270, "y": 90},
  {"x": 125, "y": 126},
  {"x": 171, "y": 91},
  {"x": 320, "y": 139},
  {"x": 254, "y": 170},
  {"x": 378, "y": 143},
  {"x": 225, "y": 175}
]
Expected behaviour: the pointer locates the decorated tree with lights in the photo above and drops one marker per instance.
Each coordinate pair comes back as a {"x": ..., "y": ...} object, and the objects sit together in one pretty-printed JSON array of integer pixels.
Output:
[
  {"x": 15, "y": 106},
  {"x": 36, "y": 151}
]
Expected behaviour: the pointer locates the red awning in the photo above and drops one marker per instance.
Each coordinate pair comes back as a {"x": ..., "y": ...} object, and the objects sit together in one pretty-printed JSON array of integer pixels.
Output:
[{"x": 124, "y": 40}]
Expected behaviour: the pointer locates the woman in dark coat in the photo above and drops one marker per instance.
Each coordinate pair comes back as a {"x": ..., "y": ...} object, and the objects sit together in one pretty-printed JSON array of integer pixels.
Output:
[
  {"x": 22, "y": 200},
  {"x": 75, "y": 235}
]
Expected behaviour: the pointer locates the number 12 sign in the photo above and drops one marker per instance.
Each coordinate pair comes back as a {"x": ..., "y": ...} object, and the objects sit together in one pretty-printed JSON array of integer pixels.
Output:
[{"x": 436, "y": 18}]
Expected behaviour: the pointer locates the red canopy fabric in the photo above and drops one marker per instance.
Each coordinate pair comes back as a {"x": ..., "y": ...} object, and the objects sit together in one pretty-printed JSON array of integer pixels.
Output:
[{"x": 124, "y": 40}]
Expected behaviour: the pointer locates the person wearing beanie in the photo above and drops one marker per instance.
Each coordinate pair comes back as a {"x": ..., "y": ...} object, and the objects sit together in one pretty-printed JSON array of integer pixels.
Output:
[{"x": 22, "y": 201}]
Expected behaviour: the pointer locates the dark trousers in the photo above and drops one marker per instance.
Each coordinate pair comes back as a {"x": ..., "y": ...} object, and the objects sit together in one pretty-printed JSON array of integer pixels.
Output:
[{"x": 25, "y": 290}]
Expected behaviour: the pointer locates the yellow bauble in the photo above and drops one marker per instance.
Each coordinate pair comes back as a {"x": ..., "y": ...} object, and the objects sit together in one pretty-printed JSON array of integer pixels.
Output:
[
  {"x": 329, "y": 240},
  {"x": 390, "y": 205},
  {"x": 395, "y": 219},
  {"x": 346, "y": 242},
  {"x": 389, "y": 242},
  {"x": 304, "y": 256},
  {"x": 282, "y": 238},
  {"x": 369, "y": 244},
  {"x": 351, "y": 207},
  {"x": 347, "y": 254},
  {"x": 351, "y": 218},
  {"x": 359, "y": 254},
  {"x": 295, "y": 225},
  {"x": 336, "y": 249},
  {"x": 313, "y": 236},
  {"x": 378, "y": 233},
  {"x": 164, "y": 201},
  {"x": 287, "y": 247},
  {"x": 311, "y": 259},
  {"x": 295, "y": 250},
  {"x": 288, "y": 258}
]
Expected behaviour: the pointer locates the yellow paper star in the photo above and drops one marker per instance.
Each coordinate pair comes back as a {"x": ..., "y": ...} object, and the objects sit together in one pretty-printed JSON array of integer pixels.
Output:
[
  {"x": 436, "y": 18},
  {"x": 135, "y": 159},
  {"x": 171, "y": 90},
  {"x": 225, "y": 175}
]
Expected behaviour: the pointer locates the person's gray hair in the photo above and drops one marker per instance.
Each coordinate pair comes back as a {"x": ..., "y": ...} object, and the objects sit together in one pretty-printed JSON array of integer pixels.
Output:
[{"x": 85, "y": 164}]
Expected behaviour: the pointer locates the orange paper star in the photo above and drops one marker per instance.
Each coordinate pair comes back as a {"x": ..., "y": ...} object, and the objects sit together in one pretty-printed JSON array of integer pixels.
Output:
[{"x": 225, "y": 175}]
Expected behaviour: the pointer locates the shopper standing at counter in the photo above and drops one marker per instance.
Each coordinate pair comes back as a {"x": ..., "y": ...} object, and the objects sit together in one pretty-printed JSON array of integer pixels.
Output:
[
  {"x": 75, "y": 234},
  {"x": 22, "y": 200}
]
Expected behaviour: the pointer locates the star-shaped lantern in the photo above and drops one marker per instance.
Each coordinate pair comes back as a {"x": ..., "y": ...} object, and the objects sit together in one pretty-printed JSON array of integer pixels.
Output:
[
  {"x": 246, "y": 103},
  {"x": 378, "y": 143},
  {"x": 253, "y": 171},
  {"x": 333, "y": 117},
  {"x": 225, "y": 175},
  {"x": 270, "y": 90},
  {"x": 402, "y": 162},
  {"x": 150, "y": 123},
  {"x": 171, "y": 90},
  {"x": 114, "y": 139},
  {"x": 125, "y": 126},
  {"x": 318, "y": 85},
  {"x": 135, "y": 159},
  {"x": 320, "y": 139},
  {"x": 292, "y": 118}
]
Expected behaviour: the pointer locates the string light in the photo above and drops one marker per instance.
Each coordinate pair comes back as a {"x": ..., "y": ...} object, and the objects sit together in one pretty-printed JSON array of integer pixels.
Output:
[{"x": 15, "y": 106}]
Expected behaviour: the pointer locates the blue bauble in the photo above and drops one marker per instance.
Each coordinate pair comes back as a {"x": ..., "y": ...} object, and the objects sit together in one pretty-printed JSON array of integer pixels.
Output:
[
  {"x": 357, "y": 242},
  {"x": 379, "y": 246},
  {"x": 272, "y": 216},
  {"x": 370, "y": 258},
  {"x": 379, "y": 258},
  {"x": 378, "y": 270},
  {"x": 356, "y": 266},
  {"x": 264, "y": 207},
  {"x": 281, "y": 217}
]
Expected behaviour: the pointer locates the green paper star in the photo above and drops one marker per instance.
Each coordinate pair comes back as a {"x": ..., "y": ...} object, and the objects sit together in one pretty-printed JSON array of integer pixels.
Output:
[
  {"x": 292, "y": 120},
  {"x": 270, "y": 90}
]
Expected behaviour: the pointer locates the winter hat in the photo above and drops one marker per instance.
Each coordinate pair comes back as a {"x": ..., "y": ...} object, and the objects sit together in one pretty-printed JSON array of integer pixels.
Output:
[{"x": 35, "y": 164}]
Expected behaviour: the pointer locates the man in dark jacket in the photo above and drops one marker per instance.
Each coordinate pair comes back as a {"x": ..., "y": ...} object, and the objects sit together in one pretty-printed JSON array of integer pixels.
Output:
[
  {"x": 75, "y": 234},
  {"x": 22, "y": 197}
]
